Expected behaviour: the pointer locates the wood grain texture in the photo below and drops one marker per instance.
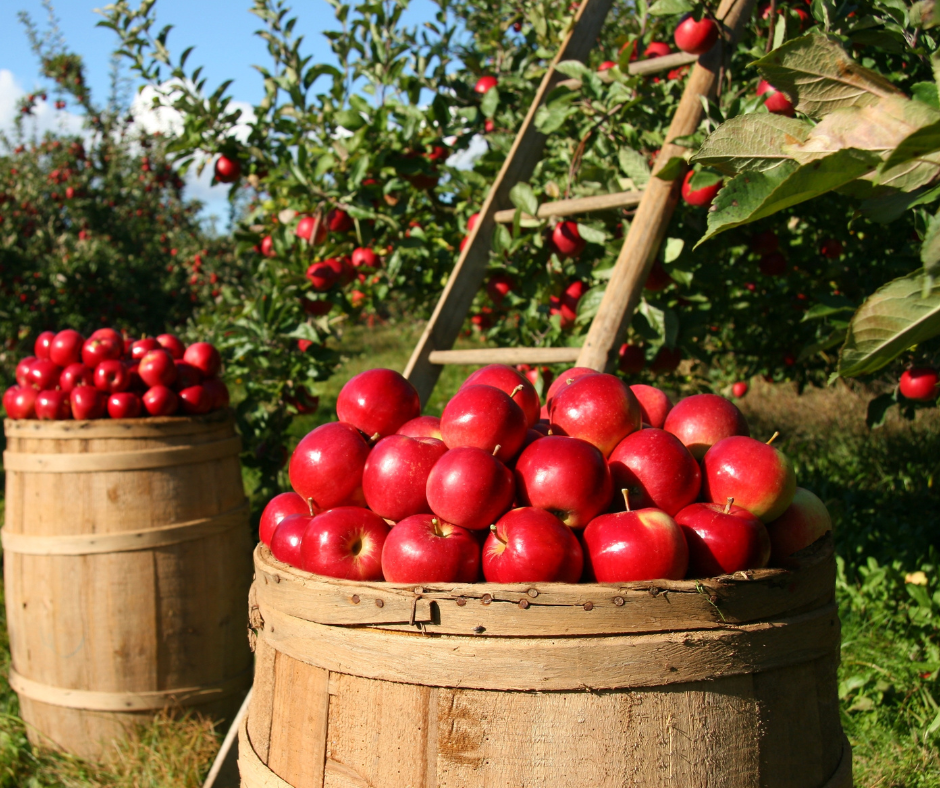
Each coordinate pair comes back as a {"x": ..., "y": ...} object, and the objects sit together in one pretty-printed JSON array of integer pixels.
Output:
[
  {"x": 467, "y": 277},
  {"x": 138, "y": 622},
  {"x": 506, "y": 355},
  {"x": 649, "y": 225},
  {"x": 576, "y": 206}
]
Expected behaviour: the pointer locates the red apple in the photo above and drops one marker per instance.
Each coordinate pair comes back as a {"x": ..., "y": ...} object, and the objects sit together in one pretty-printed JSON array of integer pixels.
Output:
[
  {"x": 530, "y": 545},
  {"x": 421, "y": 427},
  {"x": 805, "y": 520},
  {"x": 344, "y": 542},
  {"x": 378, "y": 402},
  {"x": 75, "y": 375},
  {"x": 395, "y": 477},
  {"x": 109, "y": 335},
  {"x": 279, "y": 507},
  {"x": 566, "y": 476},
  {"x": 485, "y": 417},
  {"x": 509, "y": 380},
  {"x": 88, "y": 403},
  {"x": 635, "y": 546},
  {"x": 187, "y": 375},
  {"x": 288, "y": 536},
  {"x": 499, "y": 286},
  {"x": 656, "y": 471},
  {"x": 723, "y": 539},
  {"x": 204, "y": 357},
  {"x": 696, "y": 37},
  {"x": 831, "y": 248},
  {"x": 327, "y": 466},
  {"x": 124, "y": 405},
  {"x": 654, "y": 404},
  {"x": 597, "y": 408},
  {"x": 338, "y": 221},
  {"x": 227, "y": 169},
  {"x": 919, "y": 383},
  {"x": 700, "y": 421},
  {"x": 160, "y": 401},
  {"x": 632, "y": 359},
  {"x": 98, "y": 349},
  {"x": 364, "y": 258},
  {"x": 112, "y": 376},
  {"x": 759, "y": 477},
  {"x": 157, "y": 368},
  {"x": 195, "y": 400},
  {"x": 142, "y": 347},
  {"x": 485, "y": 83},
  {"x": 422, "y": 549},
  {"x": 53, "y": 406},
  {"x": 218, "y": 394},
  {"x": 20, "y": 402},
  {"x": 172, "y": 345},
  {"x": 267, "y": 247},
  {"x": 568, "y": 241},
  {"x": 699, "y": 197},
  {"x": 43, "y": 344},
  {"x": 22, "y": 370},
  {"x": 776, "y": 102},
  {"x": 470, "y": 488},
  {"x": 44, "y": 375},
  {"x": 606, "y": 65},
  {"x": 322, "y": 275},
  {"x": 739, "y": 389},
  {"x": 566, "y": 378},
  {"x": 657, "y": 49},
  {"x": 66, "y": 348}
]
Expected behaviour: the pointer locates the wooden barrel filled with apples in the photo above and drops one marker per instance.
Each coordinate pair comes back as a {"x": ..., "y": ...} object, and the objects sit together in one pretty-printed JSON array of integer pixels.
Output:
[
  {"x": 490, "y": 599},
  {"x": 126, "y": 549}
]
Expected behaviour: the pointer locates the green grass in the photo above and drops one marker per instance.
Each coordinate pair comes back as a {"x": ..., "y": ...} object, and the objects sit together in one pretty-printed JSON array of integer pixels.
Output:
[{"x": 882, "y": 489}]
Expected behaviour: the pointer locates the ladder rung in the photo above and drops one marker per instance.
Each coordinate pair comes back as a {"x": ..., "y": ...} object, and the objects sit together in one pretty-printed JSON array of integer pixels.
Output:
[
  {"x": 506, "y": 355},
  {"x": 599, "y": 202},
  {"x": 656, "y": 64}
]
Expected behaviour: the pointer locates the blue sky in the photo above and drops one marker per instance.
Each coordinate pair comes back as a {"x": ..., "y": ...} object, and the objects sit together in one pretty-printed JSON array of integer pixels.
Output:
[{"x": 221, "y": 31}]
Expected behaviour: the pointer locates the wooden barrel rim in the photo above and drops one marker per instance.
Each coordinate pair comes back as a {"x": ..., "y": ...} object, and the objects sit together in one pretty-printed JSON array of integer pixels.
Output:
[
  {"x": 255, "y": 773},
  {"x": 125, "y": 541},
  {"x": 142, "y": 459},
  {"x": 153, "y": 426},
  {"x": 88, "y": 700}
]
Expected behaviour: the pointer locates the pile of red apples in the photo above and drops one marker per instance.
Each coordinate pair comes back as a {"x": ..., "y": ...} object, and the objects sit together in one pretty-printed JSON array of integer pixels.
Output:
[
  {"x": 110, "y": 375},
  {"x": 604, "y": 483}
]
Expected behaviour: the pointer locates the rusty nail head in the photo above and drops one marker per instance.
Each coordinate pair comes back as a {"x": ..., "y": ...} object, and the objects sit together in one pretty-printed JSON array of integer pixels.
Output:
[
  {"x": 478, "y": 629},
  {"x": 588, "y": 605},
  {"x": 461, "y": 601},
  {"x": 533, "y": 592},
  {"x": 654, "y": 592},
  {"x": 618, "y": 601},
  {"x": 487, "y": 598},
  {"x": 355, "y": 599},
  {"x": 523, "y": 603},
  {"x": 379, "y": 603}
]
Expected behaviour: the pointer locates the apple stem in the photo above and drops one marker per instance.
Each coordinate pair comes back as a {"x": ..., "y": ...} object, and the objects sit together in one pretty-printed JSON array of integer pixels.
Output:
[
  {"x": 310, "y": 505},
  {"x": 496, "y": 450},
  {"x": 516, "y": 390},
  {"x": 773, "y": 438},
  {"x": 437, "y": 526},
  {"x": 493, "y": 529},
  {"x": 626, "y": 497},
  {"x": 728, "y": 505},
  {"x": 375, "y": 438},
  {"x": 569, "y": 381}
]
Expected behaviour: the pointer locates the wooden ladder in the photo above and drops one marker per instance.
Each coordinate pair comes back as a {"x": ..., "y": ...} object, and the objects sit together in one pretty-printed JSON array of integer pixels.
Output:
[{"x": 656, "y": 204}]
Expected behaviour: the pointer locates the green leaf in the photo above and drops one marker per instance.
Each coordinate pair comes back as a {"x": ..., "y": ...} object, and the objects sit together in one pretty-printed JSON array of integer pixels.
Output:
[
  {"x": 591, "y": 234},
  {"x": 672, "y": 249},
  {"x": 926, "y": 93},
  {"x": 878, "y": 410},
  {"x": 635, "y": 166},
  {"x": 574, "y": 69},
  {"x": 752, "y": 143},
  {"x": 672, "y": 169},
  {"x": 589, "y": 304},
  {"x": 490, "y": 102},
  {"x": 893, "y": 319},
  {"x": 664, "y": 322},
  {"x": 552, "y": 115},
  {"x": 670, "y": 7},
  {"x": 930, "y": 250},
  {"x": 522, "y": 196},
  {"x": 923, "y": 141},
  {"x": 753, "y": 195},
  {"x": 815, "y": 72},
  {"x": 703, "y": 179}
]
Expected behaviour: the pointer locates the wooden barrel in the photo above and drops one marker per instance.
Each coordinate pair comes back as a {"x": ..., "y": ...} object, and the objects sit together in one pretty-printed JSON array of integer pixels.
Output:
[
  {"x": 728, "y": 682},
  {"x": 126, "y": 564}
]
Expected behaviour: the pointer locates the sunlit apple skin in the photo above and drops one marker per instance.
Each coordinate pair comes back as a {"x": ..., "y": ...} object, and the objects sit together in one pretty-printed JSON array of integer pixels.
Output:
[
  {"x": 195, "y": 401},
  {"x": 700, "y": 421},
  {"x": 22, "y": 370},
  {"x": 172, "y": 344},
  {"x": 288, "y": 537},
  {"x": 565, "y": 379},
  {"x": 109, "y": 335},
  {"x": 204, "y": 357},
  {"x": 421, "y": 427},
  {"x": 43, "y": 344},
  {"x": 485, "y": 417},
  {"x": 20, "y": 402},
  {"x": 88, "y": 403},
  {"x": 805, "y": 520},
  {"x": 112, "y": 376},
  {"x": 142, "y": 347},
  {"x": 565, "y": 476},
  {"x": 759, "y": 477},
  {"x": 53, "y": 406},
  {"x": 327, "y": 466},
  {"x": 599, "y": 409},
  {"x": 507, "y": 379},
  {"x": 66, "y": 348},
  {"x": 919, "y": 383},
  {"x": 645, "y": 544},
  {"x": 378, "y": 402},
  {"x": 469, "y": 487},
  {"x": 345, "y": 542},
  {"x": 656, "y": 470},
  {"x": 654, "y": 404},
  {"x": 721, "y": 543},
  {"x": 124, "y": 405},
  {"x": 75, "y": 375},
  {"x": 160, "y": 401},
  {"x": 279, "y": 507},
  {"x": 157, "y": 368},
  {"x": 696, "y": 37},
  {"x": 44, "y": 375},
  {"x": 98, "y": 349},
  {"x": 530, "y": 545},
  {"x": 395, "y": 477},
  {"x": 423, "y": 549}
]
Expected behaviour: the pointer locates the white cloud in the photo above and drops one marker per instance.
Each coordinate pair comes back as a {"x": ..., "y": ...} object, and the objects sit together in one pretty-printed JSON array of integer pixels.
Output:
[
  {"x": 465, "y": 159},
  {"x": 44, "y": 117},
  {"x": 168, "y": 121}
]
